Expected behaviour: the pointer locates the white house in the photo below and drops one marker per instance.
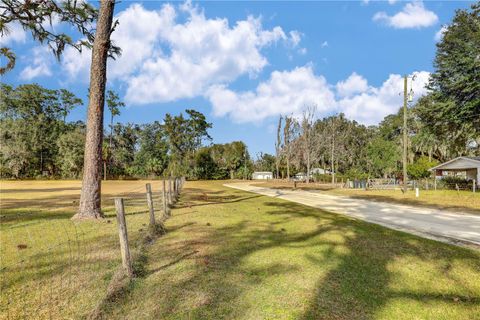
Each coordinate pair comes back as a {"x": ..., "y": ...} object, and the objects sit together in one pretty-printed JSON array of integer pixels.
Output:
[
  {"x": 468, "y": 167},
  {"x": 301, "y": 176},
  {"x": 262, "y": 175},
  {"x": 319, "y": 171}
]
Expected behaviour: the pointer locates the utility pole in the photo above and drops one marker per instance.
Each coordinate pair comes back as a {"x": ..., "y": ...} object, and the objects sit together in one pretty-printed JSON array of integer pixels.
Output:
[{"x": 405, "y": 97}]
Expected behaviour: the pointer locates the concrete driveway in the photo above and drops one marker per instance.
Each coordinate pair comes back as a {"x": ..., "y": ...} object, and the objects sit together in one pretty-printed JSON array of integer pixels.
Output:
[{"x": 447, "y": 226}]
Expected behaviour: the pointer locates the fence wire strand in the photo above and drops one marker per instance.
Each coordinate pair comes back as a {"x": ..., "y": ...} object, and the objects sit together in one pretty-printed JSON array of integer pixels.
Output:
[{"x": 54, "y": 268}]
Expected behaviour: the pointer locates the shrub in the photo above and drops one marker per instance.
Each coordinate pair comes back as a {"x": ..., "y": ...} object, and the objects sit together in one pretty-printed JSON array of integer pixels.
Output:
[{"x": 450, "y": 182}]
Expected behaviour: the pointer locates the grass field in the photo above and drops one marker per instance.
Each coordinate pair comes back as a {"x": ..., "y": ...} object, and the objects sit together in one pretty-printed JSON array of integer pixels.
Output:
[
  {"x": 442, "y": 199},
  {"x": 50, "y": 266},
  {"x": 229, "y": 254}
]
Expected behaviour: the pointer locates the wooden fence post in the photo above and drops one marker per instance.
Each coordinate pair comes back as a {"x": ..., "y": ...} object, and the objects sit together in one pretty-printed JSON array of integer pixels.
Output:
[
  {"x": 474, "y": 185},
  {"x": 122, "y": 233},
  {"x": 170, "y": 198},
  {"x": 175, "y": 189},
  {"x": 150, "y": 204},
  {"x": 165, "y": 204}
]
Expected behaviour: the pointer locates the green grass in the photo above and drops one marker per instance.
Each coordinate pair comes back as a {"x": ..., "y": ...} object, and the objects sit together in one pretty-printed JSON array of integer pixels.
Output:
[
  {"x": 51, "y": 267},
  {"x": 228, "y": 254},
  {"x": 236, "y": 255}
]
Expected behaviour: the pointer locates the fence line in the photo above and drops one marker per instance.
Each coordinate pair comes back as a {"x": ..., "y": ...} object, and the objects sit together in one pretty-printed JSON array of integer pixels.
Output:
[
  {"x": 173, "y": 194},
  {"x": 53, "y": 267}
]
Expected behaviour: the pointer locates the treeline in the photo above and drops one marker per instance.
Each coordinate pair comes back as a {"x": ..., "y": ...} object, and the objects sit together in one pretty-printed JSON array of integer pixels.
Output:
[
  {"x": 352, "y": 150},
  {"x": 442, "y": 125},
  {"x": 37, "y": 141}
]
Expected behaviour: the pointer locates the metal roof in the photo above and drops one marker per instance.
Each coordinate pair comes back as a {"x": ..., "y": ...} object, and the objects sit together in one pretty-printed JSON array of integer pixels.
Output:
[{"x": 476, "y": 159}]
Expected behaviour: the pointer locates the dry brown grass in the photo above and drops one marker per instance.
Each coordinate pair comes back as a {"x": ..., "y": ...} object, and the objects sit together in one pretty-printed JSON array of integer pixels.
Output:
[{"x": 52, "y": 267}]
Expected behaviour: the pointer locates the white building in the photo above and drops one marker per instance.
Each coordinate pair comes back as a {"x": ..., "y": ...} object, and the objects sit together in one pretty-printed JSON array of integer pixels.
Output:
[
  {"x": 467, "y": 167},
  {"x": 262, "y": 175},
  {"x": 319, "y": 171}
]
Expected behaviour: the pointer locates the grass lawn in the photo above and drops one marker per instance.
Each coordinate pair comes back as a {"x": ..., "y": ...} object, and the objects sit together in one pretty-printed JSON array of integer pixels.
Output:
[
  {"x": 236, "y": 255},
  {"x": 50, "y": 266},
  {"x": 442, "y": 199},
  {"x": 228, "y": 254}
]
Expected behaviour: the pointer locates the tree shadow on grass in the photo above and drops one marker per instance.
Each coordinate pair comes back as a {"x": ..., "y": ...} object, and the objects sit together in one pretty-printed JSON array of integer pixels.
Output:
[
  {"x": 219, "y": 277},
  {"x": 32, "y": 217},
  {"x": 41, "y": 190},
  {"x": 359, "y": 286},
  {"x": 195, "y": 202},
  {"x": 206, "y": 276}
]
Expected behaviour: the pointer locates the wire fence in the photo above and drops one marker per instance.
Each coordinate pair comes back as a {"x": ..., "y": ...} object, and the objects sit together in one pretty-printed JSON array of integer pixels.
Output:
[
  {"x": 424, "y": 184},
  {"x": 52, "y": 267}
]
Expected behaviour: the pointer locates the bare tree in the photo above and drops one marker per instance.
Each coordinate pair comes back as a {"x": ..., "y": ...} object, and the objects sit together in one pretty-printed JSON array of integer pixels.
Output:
[
  {"x": 337, "y": 132},
  {"x": 278, "y": 146},
  {"x": 287, "y": 141},
  {"x": 90, "y": 198},
  {"x": 307, "y": 137},
  {"x": 333, "y": 133}
]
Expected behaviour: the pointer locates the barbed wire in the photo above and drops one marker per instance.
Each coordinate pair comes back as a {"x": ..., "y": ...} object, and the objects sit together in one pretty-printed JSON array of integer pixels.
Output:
[{"x": 53, "y": 267}]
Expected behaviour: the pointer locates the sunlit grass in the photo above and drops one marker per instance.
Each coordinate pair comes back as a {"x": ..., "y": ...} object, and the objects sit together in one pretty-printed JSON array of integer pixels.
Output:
[
  {"x": 52, "y": 267},
  {"x": 230, "y": 254}
]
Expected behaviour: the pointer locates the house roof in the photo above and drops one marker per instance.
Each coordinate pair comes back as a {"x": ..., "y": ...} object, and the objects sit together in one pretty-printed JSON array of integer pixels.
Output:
[{"x": 474, "y": 161}]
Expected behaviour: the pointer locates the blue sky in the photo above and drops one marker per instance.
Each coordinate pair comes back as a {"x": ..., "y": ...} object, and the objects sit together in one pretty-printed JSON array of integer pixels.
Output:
[{"x": 245, "y": 63}]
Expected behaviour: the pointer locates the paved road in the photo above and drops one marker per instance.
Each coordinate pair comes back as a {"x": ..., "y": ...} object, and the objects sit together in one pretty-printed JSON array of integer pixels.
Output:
[{"x": 453, "y": 227}]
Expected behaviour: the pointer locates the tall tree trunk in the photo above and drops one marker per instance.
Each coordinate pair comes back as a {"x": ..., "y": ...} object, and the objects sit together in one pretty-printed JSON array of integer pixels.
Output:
[
  {"x": 288, "y": 163},
  {"x": 308, "y": 166},
  {"x": 109, "y": 151},
  {"x": 105, "y": 169},
  {"x": 277, "y": 169},
  {"x": 90, "y": 197},
  {"x": 277, "y": 146},
  {"x": 111, "y": 132},
  {"x": 333, "y": 159}
]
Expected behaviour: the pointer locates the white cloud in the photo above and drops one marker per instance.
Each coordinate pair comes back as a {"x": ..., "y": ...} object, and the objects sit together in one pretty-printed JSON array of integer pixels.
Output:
[
  {"x": 392, "y": 1},
  {"x": 164, "y": 59},
  {"x": 353, "y": 84},
  {"x": 291, "y": 91},
  {"x": 439, "y": 33},
  {"x": 40, "y": 64},
  {"x": 14, "y": 33},
  {"x": 284, "y": 93},
  {"x": 324, "y": 44},
  {"x": 295, "y": 37},
  {"x": 413, "y": 15},
  {"x": 373, "y": 104}
]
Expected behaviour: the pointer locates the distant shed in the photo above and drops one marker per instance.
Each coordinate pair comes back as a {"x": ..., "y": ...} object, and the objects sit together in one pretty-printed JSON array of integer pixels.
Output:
[
  {"x": 469, "y": 167},
  {"x": 262, "y": 175}
]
